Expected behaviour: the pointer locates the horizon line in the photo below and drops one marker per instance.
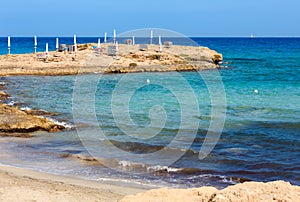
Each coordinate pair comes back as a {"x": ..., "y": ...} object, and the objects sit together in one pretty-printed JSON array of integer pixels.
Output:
[{"x": 95, "y": 36}]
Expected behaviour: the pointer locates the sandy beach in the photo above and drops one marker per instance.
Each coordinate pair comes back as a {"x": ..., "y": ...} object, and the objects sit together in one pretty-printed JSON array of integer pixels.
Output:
[{"x": 26, "y": 185}]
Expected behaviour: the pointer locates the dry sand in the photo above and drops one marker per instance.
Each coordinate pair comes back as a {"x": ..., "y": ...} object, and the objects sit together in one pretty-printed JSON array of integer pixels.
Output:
[{"x": 26, "y": 185}]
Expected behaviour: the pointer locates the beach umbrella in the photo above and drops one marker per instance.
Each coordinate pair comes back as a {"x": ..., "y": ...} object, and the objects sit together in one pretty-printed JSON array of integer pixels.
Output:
[
  {"x": 35, "y": 43},
  {"x": 160, "y": 48},
  {"x": 133, "y": 40},
  {"x": 159, "y": 40},
  {"x": 105, "y": 36},
  {"x": 75, "y": 41},
  {"x": 57, "y": 44},
  {"x": 8, "y": 41},
  {"x": 47, "y": 51},
  {"x": 117, "y": 47},
  {"x": 75, "y": 44},
  {"x": 8, "y": 44},
  {"x": 99, "y": 43},
  {"x": 115, "y": 35}
]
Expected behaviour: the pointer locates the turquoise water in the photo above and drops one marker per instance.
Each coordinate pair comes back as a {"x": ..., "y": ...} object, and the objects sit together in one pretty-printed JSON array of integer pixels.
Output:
[{"x": 260, "y": 139}]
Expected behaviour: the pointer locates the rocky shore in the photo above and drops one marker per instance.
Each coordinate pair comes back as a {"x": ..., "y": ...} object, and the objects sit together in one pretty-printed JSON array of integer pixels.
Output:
[
  {"x": 277, "y": 191},
  {"x": 128, "y": 59},
  {"x": 18, "y": 123},
  {"x": 22, "y": 123}
]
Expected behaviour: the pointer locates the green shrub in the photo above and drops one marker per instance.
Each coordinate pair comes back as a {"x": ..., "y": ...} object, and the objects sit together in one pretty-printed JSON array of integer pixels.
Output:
[{"x": 132, "y": 64}]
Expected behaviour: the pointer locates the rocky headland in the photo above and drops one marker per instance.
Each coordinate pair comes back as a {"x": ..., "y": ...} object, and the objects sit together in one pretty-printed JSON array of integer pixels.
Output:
[{"x": 128, "y": 58}]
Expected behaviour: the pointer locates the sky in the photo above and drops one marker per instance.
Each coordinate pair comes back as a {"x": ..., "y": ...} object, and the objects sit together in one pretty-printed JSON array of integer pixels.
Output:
[{"x": 207, "y": 18}]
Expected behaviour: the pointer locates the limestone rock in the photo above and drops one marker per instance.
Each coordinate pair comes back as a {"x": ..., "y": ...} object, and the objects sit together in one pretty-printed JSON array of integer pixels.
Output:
[
  {"x": 245, "y": 192},
  {"x": 3, "y": 95},
  {"x": 13, "y": 120}
]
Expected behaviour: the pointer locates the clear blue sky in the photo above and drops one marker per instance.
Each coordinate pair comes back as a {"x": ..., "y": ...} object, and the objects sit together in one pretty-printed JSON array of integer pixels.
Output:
[{"x": 189, "y": 17}]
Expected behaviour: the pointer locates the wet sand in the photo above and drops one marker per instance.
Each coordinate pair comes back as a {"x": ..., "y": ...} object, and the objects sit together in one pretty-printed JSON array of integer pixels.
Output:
[{"x": 26, "y": 185}]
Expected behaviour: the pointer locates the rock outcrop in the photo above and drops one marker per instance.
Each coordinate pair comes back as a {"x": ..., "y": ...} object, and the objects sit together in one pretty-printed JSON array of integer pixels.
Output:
[
  {"x": 128, "y": 59},
  {"x": 249, "y": 191},
  {"x": 13, "y": 120}
]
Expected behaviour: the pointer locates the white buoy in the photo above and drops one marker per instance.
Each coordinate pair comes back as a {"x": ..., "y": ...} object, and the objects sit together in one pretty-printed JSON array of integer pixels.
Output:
[
  {"x": 148, "y": 81},
  {"x": 256, "y": 91}
]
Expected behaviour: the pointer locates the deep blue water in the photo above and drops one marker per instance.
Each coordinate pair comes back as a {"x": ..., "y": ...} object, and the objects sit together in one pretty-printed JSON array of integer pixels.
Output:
[{"x": 260, "y": 140}]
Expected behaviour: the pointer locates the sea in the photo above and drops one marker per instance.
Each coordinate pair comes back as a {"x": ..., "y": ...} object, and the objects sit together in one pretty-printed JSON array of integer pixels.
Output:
[{"x": 177, "y": 129}]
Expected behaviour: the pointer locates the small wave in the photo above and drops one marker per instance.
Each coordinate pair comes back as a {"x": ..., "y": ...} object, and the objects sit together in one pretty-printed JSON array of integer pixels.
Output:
[
  {"x": 25, "y": 108},
  {"x": 11, "y": 103},
  {"x": 60, "y": 123},
  {"x": 133, "y": 166},
  {"x": 88, "y": 159},
  {"x": 159, "y": 168}
]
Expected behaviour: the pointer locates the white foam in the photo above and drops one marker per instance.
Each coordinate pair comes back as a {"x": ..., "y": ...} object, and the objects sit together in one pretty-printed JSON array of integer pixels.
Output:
[
  {"x": 125, "y": 163},
  {"x": 64, "y": 124},
  {"x": 25, "y": 108},
  {"x": 166, "y": 168},
  {"x": 11, "y": 103},
  {"x": 228, "y": 180}
]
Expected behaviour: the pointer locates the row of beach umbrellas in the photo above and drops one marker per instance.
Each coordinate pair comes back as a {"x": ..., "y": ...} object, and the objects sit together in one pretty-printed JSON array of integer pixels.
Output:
[{"x": 75, "y": 41}]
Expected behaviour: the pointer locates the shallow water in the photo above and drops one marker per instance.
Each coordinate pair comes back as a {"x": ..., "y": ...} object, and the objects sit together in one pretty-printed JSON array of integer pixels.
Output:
[{"x": 260, "y": 139}]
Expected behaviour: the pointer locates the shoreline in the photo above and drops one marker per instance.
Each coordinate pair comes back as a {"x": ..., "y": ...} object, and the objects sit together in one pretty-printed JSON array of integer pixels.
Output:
[{"x": 19, "y": 184}]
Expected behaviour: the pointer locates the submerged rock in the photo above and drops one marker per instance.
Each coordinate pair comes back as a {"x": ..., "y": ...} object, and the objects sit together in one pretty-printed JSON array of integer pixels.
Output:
[
  {"x": 3, "y": 95},
  {"x": 13, "y": 120}
]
